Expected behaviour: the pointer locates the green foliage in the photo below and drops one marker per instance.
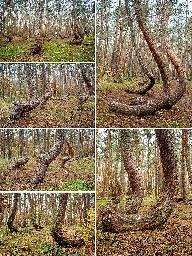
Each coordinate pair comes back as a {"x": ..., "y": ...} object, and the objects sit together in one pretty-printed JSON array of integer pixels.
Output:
[
  {"x": 89, "y": 225},
  {"x": 75, "y": 185},
  {"x": 11, "y": 51}
]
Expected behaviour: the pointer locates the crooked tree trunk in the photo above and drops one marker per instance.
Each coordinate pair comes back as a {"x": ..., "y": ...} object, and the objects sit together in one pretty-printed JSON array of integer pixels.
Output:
[
  {"x": 13, "y": 213},
  {"x": 44, "y": 160},
  {"x": 167, "y": 99},
  {"x": 134, "y": 202},
  {"x": 20, "y": 108},
  {"x": 19, "y": 162},
  {"x": 114, "y": 217},
  {"x": 57, "y": 233},
  {"x": 143, "y": 89}
]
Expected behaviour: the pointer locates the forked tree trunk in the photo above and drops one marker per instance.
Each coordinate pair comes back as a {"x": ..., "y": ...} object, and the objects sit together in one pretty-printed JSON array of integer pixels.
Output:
[
  {"x": 135, "y": 200},
  {"x": 44, "y": 160},
  {"x": 167, "y": 99},
  {"x": 13, "y": 213},
  {"x": 114, "y": 218},
  {"x": 57, "y": 233}
]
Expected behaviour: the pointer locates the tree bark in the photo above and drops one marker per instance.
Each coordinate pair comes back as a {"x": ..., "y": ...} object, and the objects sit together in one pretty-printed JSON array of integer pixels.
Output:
[
  {"x": 13, "y": 213},
  {"x": 19, "y": 162},
  {"x": 167, "y": 99},
  {"x": 44, "y": 159},
  {"x": 135, "y": 200},
  {"x": 57, "y": 233},
  {"x": 114, "y": 218}
]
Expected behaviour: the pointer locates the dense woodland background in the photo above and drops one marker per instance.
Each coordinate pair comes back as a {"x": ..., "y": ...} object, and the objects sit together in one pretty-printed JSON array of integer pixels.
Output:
[
  {"x": 24, "y": 151},
  {"x": 64, "y": 94},
  {"x": 144, "y": 183},
  {"x": 125, "y": 61},
  {"x": 47, "y": 30},
  {"x": 28, "y": 221}
]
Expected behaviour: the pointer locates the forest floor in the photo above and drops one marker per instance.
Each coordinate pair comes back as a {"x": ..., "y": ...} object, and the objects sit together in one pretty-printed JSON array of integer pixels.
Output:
[
  {"x": 180, "y": 115},
  {"x": 174, "y": 238},
  {"x": 55, "y": 113},
  {"x": 77, "y": 175},
  {"x": 31, "y": 242},
  {"x": 56, "y": 50}
]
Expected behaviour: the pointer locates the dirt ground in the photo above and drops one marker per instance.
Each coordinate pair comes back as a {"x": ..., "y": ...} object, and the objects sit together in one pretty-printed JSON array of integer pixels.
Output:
[
  {"x": 174, "y": 238},
  {"x": 56, "y": 113},
  {"x": 78, "y": 175},
  {"x": 179, "y": 116}
]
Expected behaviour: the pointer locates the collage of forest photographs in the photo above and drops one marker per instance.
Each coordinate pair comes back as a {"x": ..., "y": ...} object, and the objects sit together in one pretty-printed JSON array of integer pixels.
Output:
[{"x": 95, "y": 127}]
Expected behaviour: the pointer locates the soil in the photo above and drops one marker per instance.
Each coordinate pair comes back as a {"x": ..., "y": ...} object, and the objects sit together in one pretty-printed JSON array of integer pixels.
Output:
[
  {"x": 56, "y": 113},
  {"x": 77, "y": 175}
]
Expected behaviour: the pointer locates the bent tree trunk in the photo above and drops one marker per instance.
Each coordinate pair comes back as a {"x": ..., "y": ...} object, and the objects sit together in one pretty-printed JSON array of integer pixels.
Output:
[
  {"x": 19, "y": 162},
  {"x": 57, "y": 233},
  {"x": 114, "y": 218},
  {"x": 20, "y": 108},
  {"x": 13, "y": 213},
  {"x": 134, "y": 202},
  {"x": 167, "y": 99},
  {"x": 44, "y": 160},
  {"x": 143, "y": 89}
]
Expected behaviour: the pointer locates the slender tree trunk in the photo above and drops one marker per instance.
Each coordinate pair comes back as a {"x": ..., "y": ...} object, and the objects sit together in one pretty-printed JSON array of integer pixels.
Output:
[{"x": 135, "y": 200}]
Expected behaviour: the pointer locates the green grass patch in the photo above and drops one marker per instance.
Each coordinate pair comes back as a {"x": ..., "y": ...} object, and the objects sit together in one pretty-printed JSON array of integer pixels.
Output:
[
  {"x": 84, "y": 165},
  {"x": 75, "y": 185},
  {"x": 11, "y": 51}
]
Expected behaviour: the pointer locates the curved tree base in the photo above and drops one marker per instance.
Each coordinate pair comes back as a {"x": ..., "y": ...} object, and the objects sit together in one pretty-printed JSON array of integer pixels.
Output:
[
  {"x": 20, "y": 108},
  {"x": 144, "y": 89},
  {"x": 114, "y": 218},
  {"x": 65, "y": 241}
]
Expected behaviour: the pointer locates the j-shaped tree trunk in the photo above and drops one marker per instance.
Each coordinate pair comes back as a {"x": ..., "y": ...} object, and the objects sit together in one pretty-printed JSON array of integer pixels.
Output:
[
  {"x": 135, "y": 200},
  {"x": 44, "y": 159},
  {"x": 57, "y": 233},
  {"x": 114, "y": 217},
  {"x": 20, "y": 108},
  {"x": 144, "y": 88},
  {"x": 168, "y": 98},
  {"x": 13, "y": 213}
]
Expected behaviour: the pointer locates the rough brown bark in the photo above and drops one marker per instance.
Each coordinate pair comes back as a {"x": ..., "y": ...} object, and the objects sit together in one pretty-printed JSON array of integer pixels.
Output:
[
  {"x": 143, "y": 89},
  {"x": 44, "y": 159},
  {"x": 167, "y": 99},
  {"x": 20, "y": 108},
  {"x": 13, "y": 213},
  {"x": 19, "y": 162},
  {"x": 114, "y": 217},
  {"x": 135, "y": 200},
  {"x": 57, "y": 233}
]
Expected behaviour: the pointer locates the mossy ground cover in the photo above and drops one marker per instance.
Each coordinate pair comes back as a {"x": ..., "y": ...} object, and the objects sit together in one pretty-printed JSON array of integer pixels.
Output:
[
  {"x": 178, "y": 116},
  {"x": 55, "y": 50},
  {"x": 31, "y": 242}
]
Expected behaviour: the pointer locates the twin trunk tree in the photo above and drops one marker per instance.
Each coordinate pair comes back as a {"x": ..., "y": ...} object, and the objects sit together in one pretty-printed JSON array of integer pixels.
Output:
[
  {"x": 57, "y": 233},
  {"x": 167, "y": 98},
  {"x": 117, "y": 218}
]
